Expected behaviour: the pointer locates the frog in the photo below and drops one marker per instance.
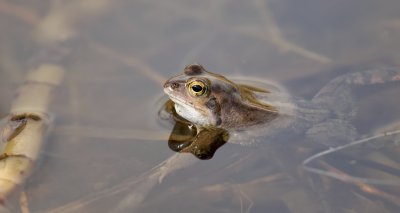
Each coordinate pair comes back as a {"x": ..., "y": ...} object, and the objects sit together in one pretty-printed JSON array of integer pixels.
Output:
[{"x": 254, "y": 111}]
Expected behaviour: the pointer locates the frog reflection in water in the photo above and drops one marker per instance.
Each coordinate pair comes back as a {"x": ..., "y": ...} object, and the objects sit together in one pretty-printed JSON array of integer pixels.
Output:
[
  {"x": 200, "y": 141},
  {"x": 207, "y": 107}
]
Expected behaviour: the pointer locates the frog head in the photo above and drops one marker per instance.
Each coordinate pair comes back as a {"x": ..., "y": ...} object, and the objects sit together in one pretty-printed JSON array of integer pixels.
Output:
[{"x": 207, "y": 100}]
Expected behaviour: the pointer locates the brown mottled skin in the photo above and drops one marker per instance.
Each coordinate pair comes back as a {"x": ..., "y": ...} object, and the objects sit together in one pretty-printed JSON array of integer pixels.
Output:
[
  {"x": 224, "y": 105},
  {"x": 325, "y": 118}
]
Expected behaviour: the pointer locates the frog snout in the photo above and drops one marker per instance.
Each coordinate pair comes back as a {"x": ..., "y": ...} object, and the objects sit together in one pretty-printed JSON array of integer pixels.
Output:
[{"x": 172, "y": 85}]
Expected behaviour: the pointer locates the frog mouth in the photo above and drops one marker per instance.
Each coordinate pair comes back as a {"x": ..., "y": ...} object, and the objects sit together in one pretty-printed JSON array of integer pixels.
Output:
[
  {"x": 181, "y": 102},
  {"x": 185, "y": 104}
]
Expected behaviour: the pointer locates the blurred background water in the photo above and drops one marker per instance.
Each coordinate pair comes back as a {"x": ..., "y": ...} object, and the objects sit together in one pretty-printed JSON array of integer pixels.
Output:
[{"x": 118, "y": 54}]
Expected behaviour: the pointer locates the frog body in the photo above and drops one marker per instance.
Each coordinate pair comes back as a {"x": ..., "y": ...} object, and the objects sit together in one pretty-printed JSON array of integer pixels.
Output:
[{"x": 254, "y": 111}]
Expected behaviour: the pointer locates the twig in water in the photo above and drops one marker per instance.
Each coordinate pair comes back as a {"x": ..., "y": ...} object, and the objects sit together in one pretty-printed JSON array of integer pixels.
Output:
[
  {"x": 275, "y": 35},
  {"x": 352, "y": 178}
]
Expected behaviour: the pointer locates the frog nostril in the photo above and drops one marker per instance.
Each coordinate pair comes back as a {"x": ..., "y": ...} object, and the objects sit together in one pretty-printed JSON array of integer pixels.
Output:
[{"x": 174, "y": 85}]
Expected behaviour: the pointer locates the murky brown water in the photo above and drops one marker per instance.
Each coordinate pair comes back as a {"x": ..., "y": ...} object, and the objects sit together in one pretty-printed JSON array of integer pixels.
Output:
[{"x": 118, "y": 53}]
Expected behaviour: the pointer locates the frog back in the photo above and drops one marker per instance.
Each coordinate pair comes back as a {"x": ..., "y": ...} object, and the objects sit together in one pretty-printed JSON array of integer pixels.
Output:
[{"x": 273, "y": 94}]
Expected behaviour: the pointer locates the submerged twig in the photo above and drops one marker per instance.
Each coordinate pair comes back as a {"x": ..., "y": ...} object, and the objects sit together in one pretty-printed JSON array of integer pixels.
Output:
[
  {"x": 142, "y": 186},
  {"x": 130, "y": 61},
  {"x": 352, "y": 178},
  {"x": 363, "y": 186},
  {"x": 275, "y": 35}
]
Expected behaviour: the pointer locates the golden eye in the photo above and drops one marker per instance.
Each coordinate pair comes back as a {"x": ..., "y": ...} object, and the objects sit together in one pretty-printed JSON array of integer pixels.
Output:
[{"x": 197, "y": 88}]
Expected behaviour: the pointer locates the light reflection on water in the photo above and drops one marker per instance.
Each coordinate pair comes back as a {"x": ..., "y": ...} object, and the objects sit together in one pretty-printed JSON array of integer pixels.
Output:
[{"x": 115, "y": 70}]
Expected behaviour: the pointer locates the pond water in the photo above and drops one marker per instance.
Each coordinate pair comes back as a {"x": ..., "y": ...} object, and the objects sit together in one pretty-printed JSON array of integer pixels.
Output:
[{"x": 117, "y": 55}]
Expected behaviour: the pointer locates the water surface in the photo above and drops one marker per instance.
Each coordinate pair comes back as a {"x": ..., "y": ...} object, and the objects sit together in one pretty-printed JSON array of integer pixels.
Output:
[{"x": 120, "y": 52}]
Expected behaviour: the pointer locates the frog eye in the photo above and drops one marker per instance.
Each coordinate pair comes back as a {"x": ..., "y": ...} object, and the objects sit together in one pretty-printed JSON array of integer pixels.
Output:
[{"x": 197, "y": 88}]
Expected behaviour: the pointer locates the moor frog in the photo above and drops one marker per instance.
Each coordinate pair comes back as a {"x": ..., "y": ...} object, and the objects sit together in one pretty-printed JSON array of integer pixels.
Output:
[{"x": 254, "y": 111}]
